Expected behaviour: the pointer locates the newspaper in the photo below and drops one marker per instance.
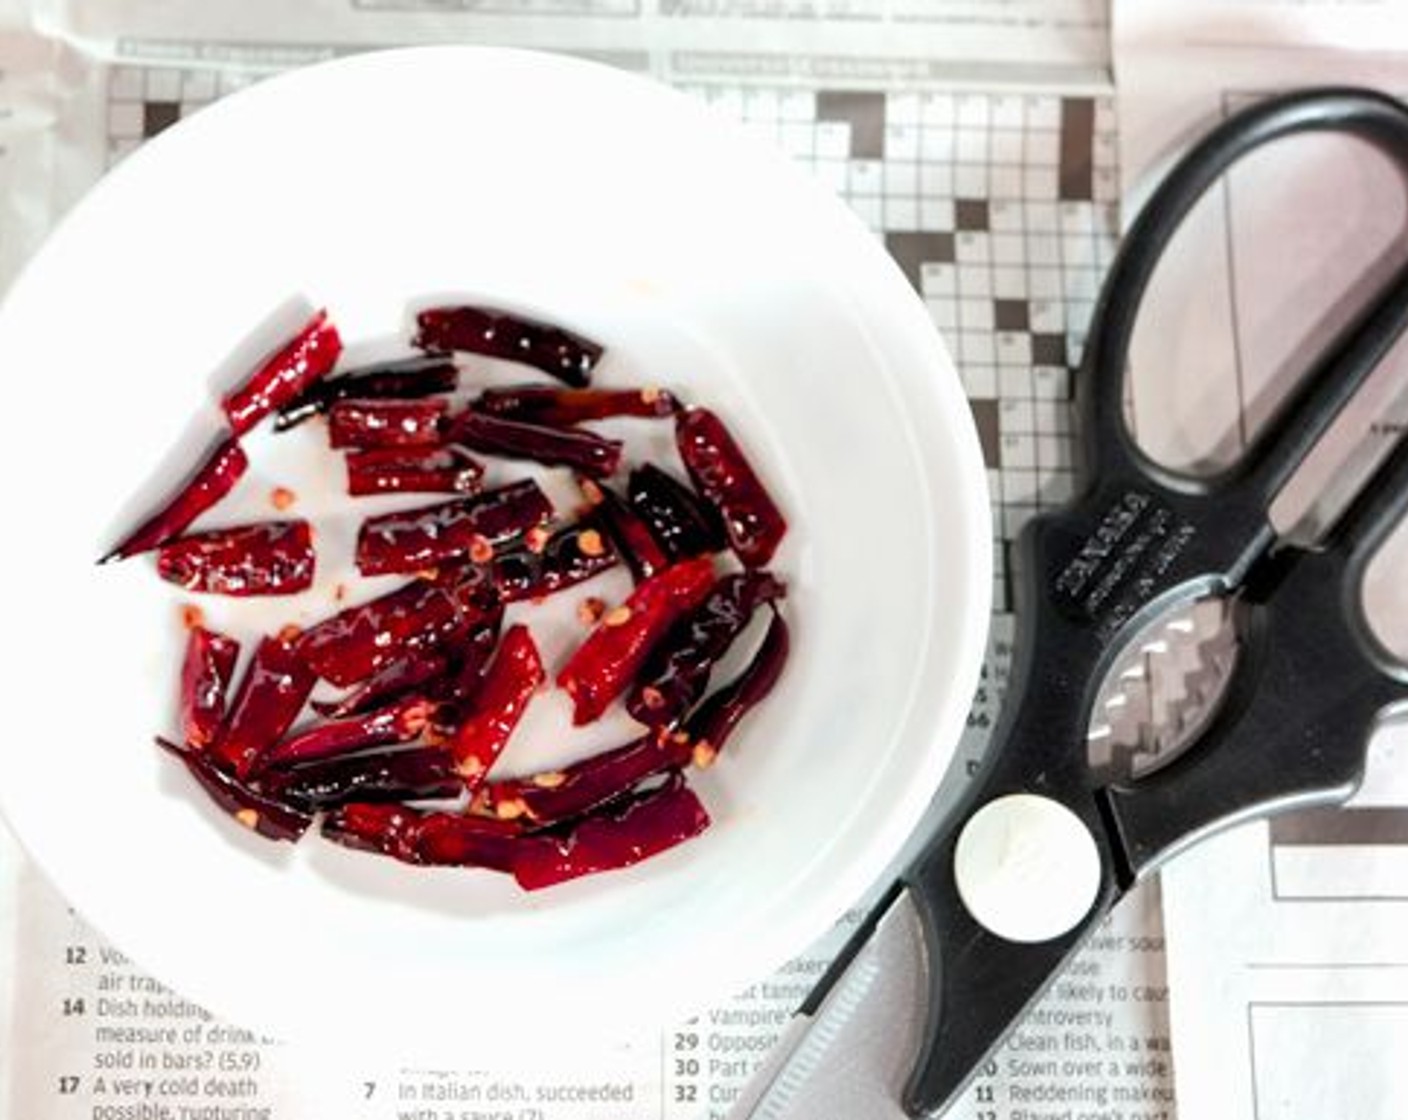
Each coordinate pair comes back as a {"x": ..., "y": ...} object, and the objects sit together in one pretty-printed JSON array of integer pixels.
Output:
[{"x": 1290, "y": 992}]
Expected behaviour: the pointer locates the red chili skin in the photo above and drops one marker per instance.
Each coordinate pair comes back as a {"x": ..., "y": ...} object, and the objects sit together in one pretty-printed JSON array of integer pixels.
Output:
[
  {"x": 607, "y": 662},
  {"x": 210, "y": 482},
  {"x": 303, "y": 360},
  {"x": 583, "y": 451},
  {"x": 399, "y": 722},
  {"x": 388, "y": 423},
  {"x": 499, "y": 334},
  {"x": 611, "y": 839},
  {"x": 514, "y": 676},
  {"x": 469, "y": 655},
  {"x": 267, "y": 815},
  {"x": 678, "y": 670},
  {"x": 633, "y": 540},
  {"x": 421, "y": 774},
  {"x": 413, "y": 836},
  {"x": 270, "y": 558},
  {"x": 412, "y": 670},
  {"x": 682, "y": 523},
  {"x": 724, "y": 476},
  {"x": 354, "y": 643},
  {"x": 271, "y": 694},
  {"x": 393, "y": 470},
  {"x": 547, "y": 404},
  {"x": 206, "y": 672},
  {"x": 423, "y": 375},
  {"x": 713, "y": 722},
  {"x": 454, "y": 532},
  {"x": 570, "y": 556}
]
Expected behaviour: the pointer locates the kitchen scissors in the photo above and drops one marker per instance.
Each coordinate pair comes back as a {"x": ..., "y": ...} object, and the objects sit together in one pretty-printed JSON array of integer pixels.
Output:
[{"x": 1045, "y": 841}]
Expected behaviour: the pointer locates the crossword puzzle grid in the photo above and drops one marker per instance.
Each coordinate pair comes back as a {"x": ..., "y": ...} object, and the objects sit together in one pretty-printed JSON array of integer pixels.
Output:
[{"x": 999, "y": 207}]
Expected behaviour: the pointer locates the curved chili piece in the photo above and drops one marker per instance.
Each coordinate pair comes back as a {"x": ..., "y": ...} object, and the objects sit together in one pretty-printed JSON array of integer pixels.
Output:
[
  {"x": 431, "y": 838},
  {"x": 303, "y": 360},
  {"x": 577, "y": 448},
  {"x": 633, "y": 539},
  {"x": 388, "y": 423},
  {"x": 456, "y": 532},
  {"x": 710, "y": 726},
  {"x": 270, "y": 558},
  {"x": 724, "y": 476},
  {"x": 614, "y": 838},
  {"x": 500, "y": 334},
  {"x": 399, "y": 722},
  {"x": 212, "y": 480},
  {"x": 420, "y": 774},
  {"x": 272, "y": 692},
  {"x": 412, "y": 670},
  {"x": 396, "y": 470},
  {"x": 678, "y": 671},
  {"x": 510, "y": 682},
  {"x": 260, "y": 812},
  {"x": 605, "y": 664},
  {"x": 555, "y": 407},
  {"x": 569, "y": 556},
  {"x": 682, "y": 524},
  {"x": 206, "y": 672},
  {"x": 422, "y": 375}
]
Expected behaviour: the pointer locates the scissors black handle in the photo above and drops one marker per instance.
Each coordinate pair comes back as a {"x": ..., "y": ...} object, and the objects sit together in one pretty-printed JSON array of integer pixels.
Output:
[{"x": 1137, "y": 539}]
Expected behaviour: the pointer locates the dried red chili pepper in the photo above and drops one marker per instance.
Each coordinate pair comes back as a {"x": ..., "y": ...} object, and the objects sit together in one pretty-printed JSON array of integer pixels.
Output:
[
  {"x": 414, "y": 836},
  {"x": 394, "y": 470},
  {"x": 260, "y": 812},
  {"x": 724, "y": 476},
  {"x": 388, "y": 423},
  {"x": 711, "y": 724},
  {"x": 611, "y": 839},
  {"x": 678, "y": 670},
  {"x": 270, "y": 558},
  {"x": 306, "y": 357},
  {"x": 632, "y": 538},
  {"x": 581, "y": 450},
  {"x": 456, "y": 532},
  {"x": 423, "y": 375},
  {"x": 510, "y": 682},
  {"x": 605, "y": 664},
  {"x": 499, "y": 334},
  {"x": 272, "y": 692},
  {"x": 412, "y": 670},
  {"x": 420, "y": 774},
  {"x": 211, "y": 481},
  {"x": 469, "y": 655},
  {"x": 682, "y": 524},
  {"x": 356, "y": 642},
  {"x": 547, "y": 404},
  {"x": 206, "y": 672},
  {"x": 399, "y": 722},
  {"x": 569, "y": 556}
]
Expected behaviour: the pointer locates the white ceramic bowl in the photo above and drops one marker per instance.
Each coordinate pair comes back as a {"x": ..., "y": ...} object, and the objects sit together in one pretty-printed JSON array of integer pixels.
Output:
[{"x": 704, "y": 262}]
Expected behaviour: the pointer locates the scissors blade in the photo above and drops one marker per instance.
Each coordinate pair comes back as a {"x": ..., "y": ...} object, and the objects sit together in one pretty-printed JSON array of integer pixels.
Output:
[{"x": 850, "y": 1057}]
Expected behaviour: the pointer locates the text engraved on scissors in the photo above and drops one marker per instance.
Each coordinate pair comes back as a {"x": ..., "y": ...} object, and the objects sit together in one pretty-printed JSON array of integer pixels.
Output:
[{"x": 1096, "y": 549}]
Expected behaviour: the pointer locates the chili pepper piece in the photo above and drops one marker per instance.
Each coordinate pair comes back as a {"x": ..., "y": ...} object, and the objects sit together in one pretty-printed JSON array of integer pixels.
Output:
[
  {"x": 399, "y": 722},
  {"x": 414, "y": 836},
  {"x": 570, "y": 556},
  {"x": 269, "y": 558},
  {"x": 555, "y": 407},
  {"x": 632, "y": 538},
  {"x": 385, "y": 423},
  {"x": 211, "y": 481},
  {"x": 373, "y": 827},
  {"x": 469, "y": 655},
  {"x": 581, "y": 450},
  {"x": 555, "y": 796},
  {"x": 678, "y": 671},
  {"x": 275, "y": 685},
  {"x": 683, "y": 524},
  {"x": 611, "y": 839},
  {"x": 412, "y": 670},
  {"x": 422, "y": 375},
  {"x": 206, "y": 672},
  {"x": 722, "y": 473},
  {"x": 713, "y": 722},
  {"x": 452, "y": 532},
  {"x": 356, "y": 642},
  {"x": 604, "y": 665},
  {"x": 422, "y": 773},
  {"x": 301, "y": 361},
  {"x": 394, "y": 470},
  {"x": 263, "y": 813},
  {"x": 510, "y": 682},
  {"x": 499, "y": 334}
]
